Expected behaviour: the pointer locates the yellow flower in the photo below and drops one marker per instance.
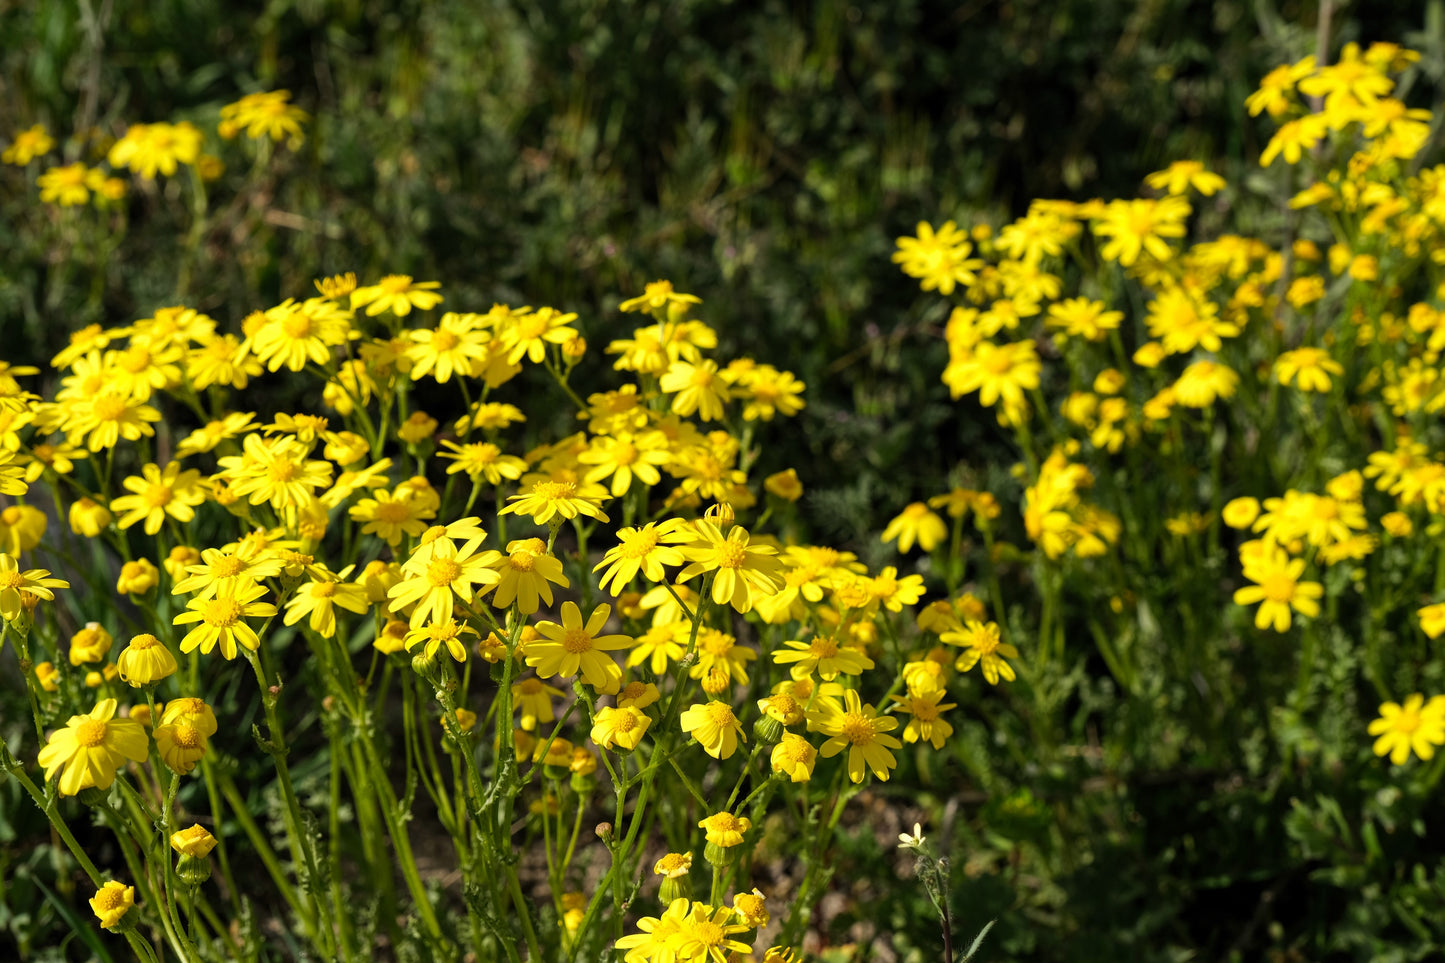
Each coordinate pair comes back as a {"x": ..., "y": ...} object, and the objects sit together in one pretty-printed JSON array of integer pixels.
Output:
[
  {"x": 1083, "y": 318},
  {"x": 823, "y": 655},
  {"x": 766, "y": 392},
  {"x": 13, "y": 581},
  {"x": 795, "y": 757},
  {"x": 939, "y": 259},
  {"x": 264, "y": 114},
  {"x": 136, "y": 578},
  {"x": 397, "y": 293},
  {"x": 181, "y": 746},
  {"x": 433, "y": 636},
  {"x": 1294, "y": 138},
  {"x": 91, "y": 748},
  {"x": 984, "y": 647},
  {"x": 714, "y": 726},
  {"x": 859, "y": 729},
  {"x": 277, "y": 472},
  {"x": 525, "y": 574},
  {"x": 705, "y": 935},
  {"x": 785, "y": 485},
  {"x": 66, "y": 186},
  {"x": 391, "y": 516},
  {"x": 656, "y": 296},
  {"x": 108, "y": 417},
  {"x": 90, "y": 644},
  {"x": 150, "y": 149},
  {"x": 1310, "y": 368},
  {"x": 418, "y": 427},
  {"x": 435, "y": 580},
  {"x": 696, "y": 388},
  {"x": 745, "y": 571},
  {"x": 28, "y": 145},
  {"x": 196, "y": 842},
  {"x": 926, "y": 708},
  {"x": 624, "y": 727},
  {"x": 1134, "y": 227},
  {"x": 480, "y": 460},
  {"x": 573, "y": 646},
  {"x": 319, "y": 599},
  {"x": 88, "y": 518},
  {"x": 544, "y": 499},
  {"x": 222, "y": 621},
  {"x": 1432, "y": 620},
  {"x": 998, "y": 373},
  {"x": 157, "y": 493},
  {"x": 626, "y": 456},
  {"x": 1180, "y": 176},
  {"x": 916, "y": 523},
  {"x": 1240, "y": 513},
  {"x": 673, "y": 865},
  {"x": 111, "y": 902},
  {"x": 646, "y": 550},
  {"x": 751, "y": 909},
  {"x": 1416, "y": 726},
  {"x": 532, "y": 699},
  {"x": 145, "y": 660},
  {"x": 725, "y": 830},
  {"x": 1279, "y": 589},
  {"x": 1203, "y": 382},
  {"x": 527, "y": 335}
]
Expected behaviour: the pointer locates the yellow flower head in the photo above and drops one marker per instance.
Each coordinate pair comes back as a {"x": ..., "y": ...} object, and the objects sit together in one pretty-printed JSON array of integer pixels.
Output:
[
  {"x": 1416, "y": 727},
  {"x": 111, "y": 902},
  {"x": 91, "y": 748}
]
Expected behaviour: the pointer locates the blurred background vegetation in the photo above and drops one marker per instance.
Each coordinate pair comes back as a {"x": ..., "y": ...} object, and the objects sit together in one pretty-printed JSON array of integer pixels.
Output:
[{"x": 763, "y": 156}]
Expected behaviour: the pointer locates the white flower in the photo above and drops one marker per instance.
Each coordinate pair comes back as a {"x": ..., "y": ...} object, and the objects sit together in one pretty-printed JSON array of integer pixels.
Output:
[{"x": 915, "y": 841}]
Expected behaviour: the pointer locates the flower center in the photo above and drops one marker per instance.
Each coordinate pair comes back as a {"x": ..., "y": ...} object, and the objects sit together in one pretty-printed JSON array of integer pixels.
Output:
[
  {"x": 639, "y": 544},
  {"x": 624, "y": 453},
  {"x": 395, "y": 283},
  {"x": 624, "y": 722},
  {"x": 284, "y": 470},
  {"x": 530, "y": 328},
  {"x": 824, "y": 647},
  {"x": 157, "y": 496},
  {"x": 443, "y": 340},
  {"x": 324, "y": 590},
  {"x": 393, "y": 513},
  {"x": 709, "y": 934},
  {"x": 522, "y": 561},
  {"x": 576, "y": 640},
  {"x": 297, "y": 326},
  {"x": 228, "y": 566},
  {"x": 1407, "y": 721},
  {"x": 717, "y": 643},
  {"x": 142, "y": 642},
  {"x": 222, "y": 613},
  {"x": 925, "y": 711},
  {"x": 90, "y": 733},
  {"x": 553, "y": 491},
  {"x": 857, "y": 728},
  {"x": 110, "y": 898},
  {"x": 731, "y": 554},
  {"x": 1278, "y": 587},
  {"x": 997, "y": 363},
  {"x": 108, "y": 408},
  {"x": 135, "y": 360},
  {"x": 720, "y": 714},
  {"x": 186, "y": 737},
  {"x": 442, "y": 572}
]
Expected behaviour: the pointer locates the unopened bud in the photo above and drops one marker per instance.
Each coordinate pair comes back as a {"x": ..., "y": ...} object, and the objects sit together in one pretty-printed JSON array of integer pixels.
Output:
[
  {"x": 604, "y": 832},
  {"x": 193, "y": 870}
]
